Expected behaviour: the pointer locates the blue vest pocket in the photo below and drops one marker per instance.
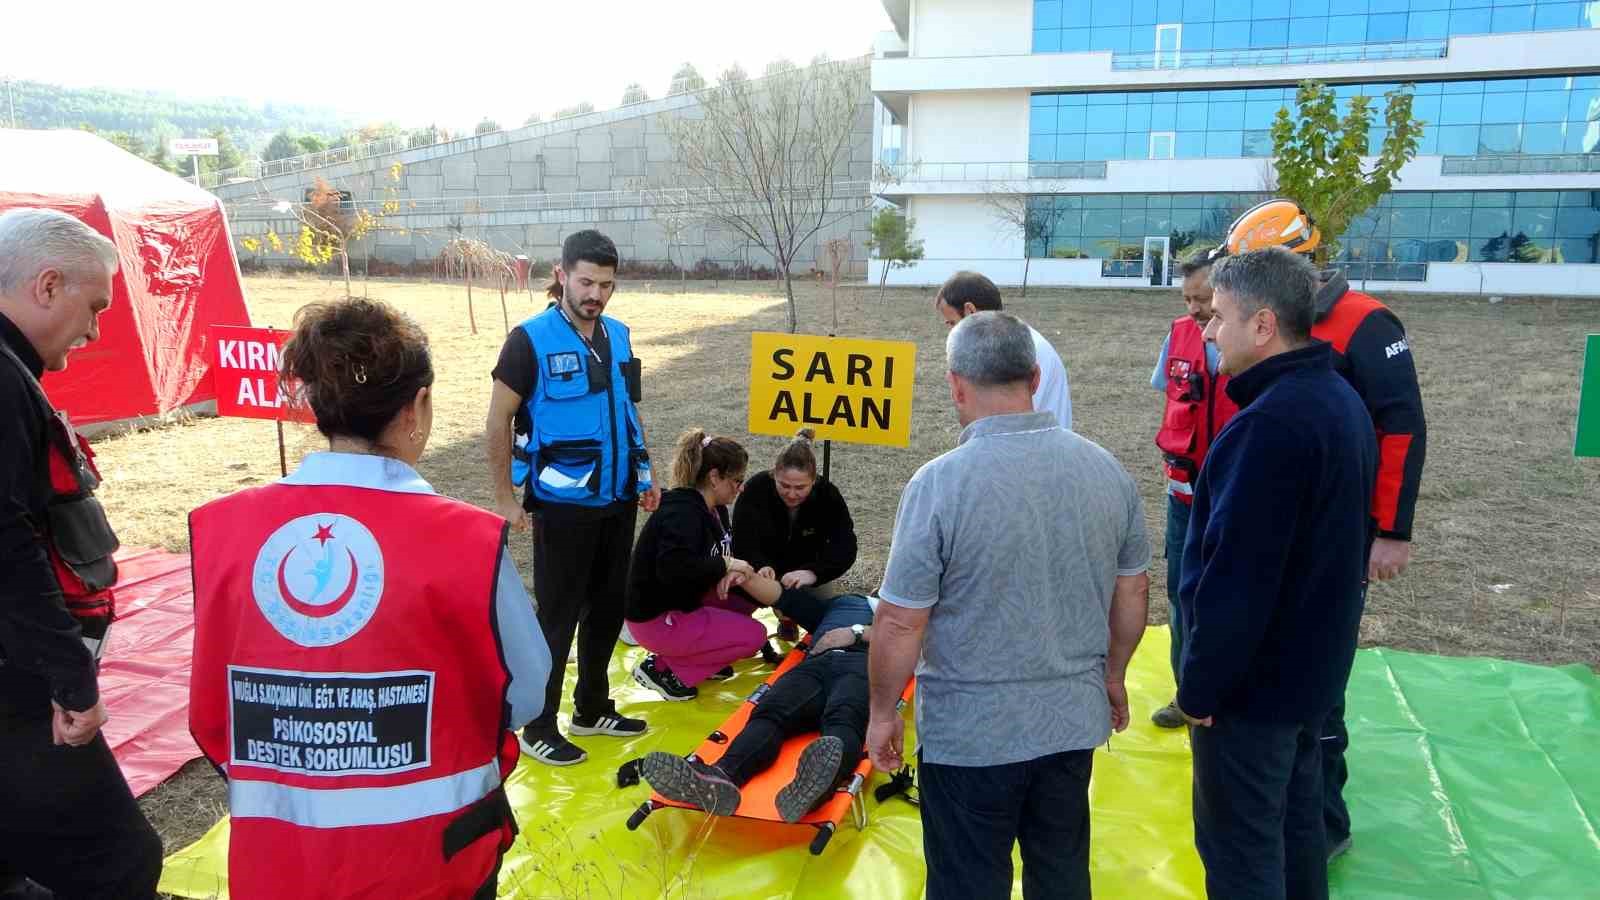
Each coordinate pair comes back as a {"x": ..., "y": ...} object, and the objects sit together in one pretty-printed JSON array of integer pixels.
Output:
[{"x": 569, "y": 470}]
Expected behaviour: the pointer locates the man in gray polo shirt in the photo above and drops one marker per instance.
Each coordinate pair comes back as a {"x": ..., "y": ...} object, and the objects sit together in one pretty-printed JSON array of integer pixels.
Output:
[{"x": 1016, "y": 589}]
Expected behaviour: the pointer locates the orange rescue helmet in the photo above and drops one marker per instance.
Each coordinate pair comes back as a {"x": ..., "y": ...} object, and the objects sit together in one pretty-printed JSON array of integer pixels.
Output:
[{"x": 1275, "y": 223}]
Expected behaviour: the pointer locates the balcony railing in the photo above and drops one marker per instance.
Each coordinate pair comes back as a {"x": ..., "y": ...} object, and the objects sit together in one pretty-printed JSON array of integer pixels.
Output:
[
  {"x": 1520, "y": 164},
  {"x": 1359, "y": 270},
  {"x": 988, "y": 171},
  {"x": 1281, "y": 56}
]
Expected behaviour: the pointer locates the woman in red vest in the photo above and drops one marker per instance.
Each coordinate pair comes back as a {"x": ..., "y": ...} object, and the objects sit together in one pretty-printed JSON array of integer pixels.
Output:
[{"x": 364, "y": 648}]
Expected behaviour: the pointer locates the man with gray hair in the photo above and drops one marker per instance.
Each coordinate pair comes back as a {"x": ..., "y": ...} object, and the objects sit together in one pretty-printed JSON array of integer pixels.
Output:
[
  {"x": 67, "y": 819},
  {"x": 1274, "y": 579},
  {"x": 1016, "y": 588}
]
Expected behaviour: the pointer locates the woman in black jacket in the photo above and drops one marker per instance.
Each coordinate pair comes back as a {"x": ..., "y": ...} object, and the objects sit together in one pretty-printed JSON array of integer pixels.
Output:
[
  {"x": 678, "y": 605},
  {"x": 793, "y": 525}
]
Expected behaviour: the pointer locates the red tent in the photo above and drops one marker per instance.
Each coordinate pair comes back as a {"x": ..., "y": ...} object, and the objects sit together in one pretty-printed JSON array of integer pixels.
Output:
[{"x": 178, "y": 274}]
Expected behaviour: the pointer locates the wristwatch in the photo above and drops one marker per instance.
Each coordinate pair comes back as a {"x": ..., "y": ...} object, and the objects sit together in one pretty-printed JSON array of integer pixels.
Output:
[{"x": 860, "y": 632}]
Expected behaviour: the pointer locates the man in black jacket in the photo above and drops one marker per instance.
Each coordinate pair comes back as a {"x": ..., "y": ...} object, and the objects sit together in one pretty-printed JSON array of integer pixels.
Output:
[
  {"x": 1273, "y": 582},
  {"x": 67, "y": 818}
]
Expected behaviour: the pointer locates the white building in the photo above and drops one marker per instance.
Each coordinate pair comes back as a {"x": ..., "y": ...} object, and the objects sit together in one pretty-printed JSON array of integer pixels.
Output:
[{"x": 1137, "y": 130}]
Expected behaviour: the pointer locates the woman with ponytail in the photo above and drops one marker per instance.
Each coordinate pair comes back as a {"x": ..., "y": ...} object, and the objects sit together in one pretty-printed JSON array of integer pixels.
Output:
[
  {"x": 678, "y": 604},
  {"x": 793, "y": 525}
]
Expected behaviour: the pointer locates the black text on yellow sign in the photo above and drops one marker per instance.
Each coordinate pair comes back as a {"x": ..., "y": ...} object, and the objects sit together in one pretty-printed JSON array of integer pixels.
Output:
[{"x": 846, "y": 389}]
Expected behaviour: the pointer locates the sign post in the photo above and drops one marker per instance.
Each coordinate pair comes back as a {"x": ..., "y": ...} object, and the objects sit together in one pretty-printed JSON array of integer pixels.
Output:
[
  {"x": 194, "y": 148},
  {"x": 1588, "y": 439},
  {"x": 850, "y": 390},
  {"x": 244, "y": 372}
]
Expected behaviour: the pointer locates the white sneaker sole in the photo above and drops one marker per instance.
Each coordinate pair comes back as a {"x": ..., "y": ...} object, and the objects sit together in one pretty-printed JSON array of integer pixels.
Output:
[{"x": 529, "y": 751}]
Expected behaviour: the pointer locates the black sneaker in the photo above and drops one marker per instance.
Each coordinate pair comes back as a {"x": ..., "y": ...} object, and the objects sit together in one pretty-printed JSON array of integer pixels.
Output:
[
  {"x": 692, "y": 782},
  {"x": 788, "y": 630},
  {"x": 612, "y": 724},
  {"x": 723, "y": 674},
  {"x": 662, "y": 681},
  {"x": 551, "y": 749},
  {"x": 769, "y": 655},
  {"x": 814, "y": 776}
]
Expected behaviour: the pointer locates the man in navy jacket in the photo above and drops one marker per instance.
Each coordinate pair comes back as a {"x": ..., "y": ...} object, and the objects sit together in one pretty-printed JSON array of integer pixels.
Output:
[{"x": 1273, "y": 582}]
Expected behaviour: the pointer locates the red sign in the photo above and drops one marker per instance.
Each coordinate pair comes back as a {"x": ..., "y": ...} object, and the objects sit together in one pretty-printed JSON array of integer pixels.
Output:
[{"x": 245, "y": 369}]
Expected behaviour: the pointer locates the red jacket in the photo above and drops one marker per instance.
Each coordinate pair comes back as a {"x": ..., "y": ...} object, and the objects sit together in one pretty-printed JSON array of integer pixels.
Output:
[
  {"x": 349, "y": 684},
  {"x": 1373, "y": 353},
  {"x": 1197, "y": 407}
]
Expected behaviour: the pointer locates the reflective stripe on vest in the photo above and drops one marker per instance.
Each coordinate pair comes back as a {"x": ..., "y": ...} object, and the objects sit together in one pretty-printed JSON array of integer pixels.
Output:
[
  {"x": 587, "y": 446},
  {"x": 346, "y": 807}
]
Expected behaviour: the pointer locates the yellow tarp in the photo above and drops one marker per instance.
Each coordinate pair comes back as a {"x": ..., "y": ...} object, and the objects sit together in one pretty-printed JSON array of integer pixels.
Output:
[{"x": 574, "y": 842}]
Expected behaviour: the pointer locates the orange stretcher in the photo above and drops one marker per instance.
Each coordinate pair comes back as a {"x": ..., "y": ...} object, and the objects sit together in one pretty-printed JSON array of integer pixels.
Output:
[{"x": 758, "y": 798}]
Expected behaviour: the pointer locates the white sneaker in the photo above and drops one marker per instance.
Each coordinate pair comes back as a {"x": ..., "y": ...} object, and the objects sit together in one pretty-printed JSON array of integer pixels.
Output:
[{"x": 627, "y": 636}]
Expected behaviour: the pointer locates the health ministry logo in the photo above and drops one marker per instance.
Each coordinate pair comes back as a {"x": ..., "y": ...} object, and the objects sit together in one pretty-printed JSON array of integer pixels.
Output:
[{"x": 318, "y": 579}]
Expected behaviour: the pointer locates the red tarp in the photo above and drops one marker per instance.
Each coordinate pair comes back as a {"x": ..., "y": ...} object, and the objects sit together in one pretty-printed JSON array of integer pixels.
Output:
[
  {"x": 144, "y": 671},
  {"x": 178, "y": 274}
]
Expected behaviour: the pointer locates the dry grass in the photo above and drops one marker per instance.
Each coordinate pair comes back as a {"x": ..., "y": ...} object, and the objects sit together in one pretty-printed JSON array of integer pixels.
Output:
[{"x": 1507, "y": 549}]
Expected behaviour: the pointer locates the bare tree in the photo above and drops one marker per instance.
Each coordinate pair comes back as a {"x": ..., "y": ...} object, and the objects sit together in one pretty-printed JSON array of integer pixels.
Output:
[
  {"x": 675, "y": 221},
  {"x": 766, "y": 158},
  {"x": 838, "y": 253},
  {"x": 1015, "y": 216}
]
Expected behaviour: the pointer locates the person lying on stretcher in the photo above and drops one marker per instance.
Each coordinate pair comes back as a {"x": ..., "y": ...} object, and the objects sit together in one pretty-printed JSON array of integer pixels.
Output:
[{"x": 826, "y": 693}]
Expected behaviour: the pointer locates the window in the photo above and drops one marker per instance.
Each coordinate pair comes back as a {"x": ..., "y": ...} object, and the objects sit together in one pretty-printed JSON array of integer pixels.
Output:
[
  {"x": 1162, "y": 144},
  {"x": 1169, "y": 41},
  {"x": 1461, "y": 118},
  {"x": 1124, "y": 26}
]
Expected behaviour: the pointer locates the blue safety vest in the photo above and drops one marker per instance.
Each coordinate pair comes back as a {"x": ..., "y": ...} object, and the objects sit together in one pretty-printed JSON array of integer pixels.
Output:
[{"x": 586, "y": 444}]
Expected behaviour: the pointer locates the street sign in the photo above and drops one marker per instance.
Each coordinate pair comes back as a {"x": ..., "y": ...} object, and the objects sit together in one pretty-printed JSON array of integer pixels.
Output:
[
  {"x": 245, "y": 375},
  {"x": 844, "y": 388},
  {"x": 193, "y": 147},
  {"x": 1588, "y": 441}
]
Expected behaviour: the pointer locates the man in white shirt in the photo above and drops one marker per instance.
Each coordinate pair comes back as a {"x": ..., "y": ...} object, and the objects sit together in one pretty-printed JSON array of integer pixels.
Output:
[{"x": 966, "y": 293}]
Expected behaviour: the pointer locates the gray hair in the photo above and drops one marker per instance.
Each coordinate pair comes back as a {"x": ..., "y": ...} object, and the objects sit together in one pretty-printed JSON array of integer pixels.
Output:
[
  {"x": 990, "y": 349},
  {"x": 32, "y": 240},
  {"x": 1274, "y": 279}
]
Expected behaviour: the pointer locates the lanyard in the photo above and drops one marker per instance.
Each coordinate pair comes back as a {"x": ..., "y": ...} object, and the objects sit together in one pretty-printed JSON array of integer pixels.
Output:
[{"x": 587, "y": 344}]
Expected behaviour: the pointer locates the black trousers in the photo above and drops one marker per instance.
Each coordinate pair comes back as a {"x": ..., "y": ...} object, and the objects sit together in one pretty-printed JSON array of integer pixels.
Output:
[
  {"x": 1258, "y": 810},
  {"x": 67, "y": 818},
  {"x": 972, "y": 815},
  {"x": 580, "y": 580},
  {"x": 827, "y": 693},
  {"x": 1335, "y": 772}
]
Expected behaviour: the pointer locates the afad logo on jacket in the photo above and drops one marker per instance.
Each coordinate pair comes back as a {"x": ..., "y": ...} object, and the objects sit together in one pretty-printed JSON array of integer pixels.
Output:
[{"x": 318, "y": 579}]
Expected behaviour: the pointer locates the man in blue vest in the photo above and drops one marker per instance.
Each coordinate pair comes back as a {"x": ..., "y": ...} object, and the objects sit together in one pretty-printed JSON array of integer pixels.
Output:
[{"x": 563, "y": 422}]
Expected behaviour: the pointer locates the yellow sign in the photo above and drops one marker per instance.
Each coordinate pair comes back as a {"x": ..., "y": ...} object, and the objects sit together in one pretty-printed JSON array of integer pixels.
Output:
[{"x": 846, "y": 389}]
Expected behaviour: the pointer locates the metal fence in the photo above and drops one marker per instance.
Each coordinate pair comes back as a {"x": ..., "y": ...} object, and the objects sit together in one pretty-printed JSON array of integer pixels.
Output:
[
  {"x": 987, "y": 171},
  {"x": 1282, "y": 56}
]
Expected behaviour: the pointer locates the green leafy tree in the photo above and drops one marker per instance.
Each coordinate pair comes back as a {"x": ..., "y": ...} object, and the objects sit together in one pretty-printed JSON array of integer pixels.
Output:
[
  {"x": 685, "y": 80},
  {"x": 1321, "y": 159},
  {"x": 310, "y": 143},
  {"x": 634, "y": 93},
  {"x": 486, "y": 126},
  {"x": 891, "y": 240},
  {"x": 282, "y": 146}
]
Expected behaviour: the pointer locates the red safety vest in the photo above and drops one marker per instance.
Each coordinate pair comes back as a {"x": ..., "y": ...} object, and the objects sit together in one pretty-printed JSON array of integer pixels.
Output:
[
  {"x": 1197, "y": 407},
  {"x": 348, "y": 681}
]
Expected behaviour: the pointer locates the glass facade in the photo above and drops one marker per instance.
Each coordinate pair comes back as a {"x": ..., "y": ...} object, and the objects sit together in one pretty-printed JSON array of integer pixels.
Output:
[
  {"x": 1130, "y": 26},
  {"x": 1464, "y": 118},
  {"x": 1407, "y": 227}
]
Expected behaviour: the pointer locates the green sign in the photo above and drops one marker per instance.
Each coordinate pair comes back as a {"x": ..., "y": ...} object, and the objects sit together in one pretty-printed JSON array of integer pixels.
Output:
[{"x": 1588, "y": 443}]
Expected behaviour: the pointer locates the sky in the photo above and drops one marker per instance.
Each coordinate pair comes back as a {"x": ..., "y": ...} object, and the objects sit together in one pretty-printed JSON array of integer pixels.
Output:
[{"x": 450, "y": 63}]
